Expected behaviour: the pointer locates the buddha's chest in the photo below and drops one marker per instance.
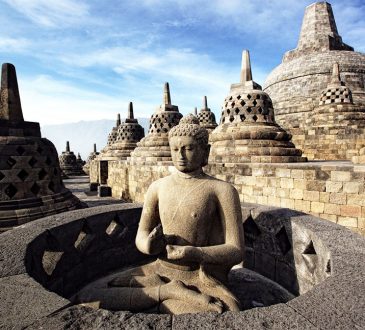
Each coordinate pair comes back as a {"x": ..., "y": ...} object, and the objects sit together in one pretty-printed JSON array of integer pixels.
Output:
[{"x": 188, "y": 213}]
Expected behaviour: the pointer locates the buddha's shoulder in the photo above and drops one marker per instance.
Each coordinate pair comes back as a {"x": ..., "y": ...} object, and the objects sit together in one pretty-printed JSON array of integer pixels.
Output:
[{"x": 220, "y": 185}]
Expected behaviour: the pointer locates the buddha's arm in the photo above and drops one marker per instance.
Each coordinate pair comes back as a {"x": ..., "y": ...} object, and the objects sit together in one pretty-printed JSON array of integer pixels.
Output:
[
  {"x": 150, "y": 238},
  {"x": 229, "y": 253}
]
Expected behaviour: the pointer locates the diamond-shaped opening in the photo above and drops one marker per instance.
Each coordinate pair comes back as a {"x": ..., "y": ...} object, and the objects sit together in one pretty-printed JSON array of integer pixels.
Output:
[
  {"x": 310, "y": 249},
  {"x": 258, "y": 96},
  {"x": 242, "y": 117},
  {"x": 48, "y": 161},
  {"x": 11, "y": 162},
  {"x": 42, "y": 174},
  {"x": 35, "y": 189},
  {"x": 22, "y": 175},
  {"x": 2, "y": 176},
  {"x": 250, "y": 227},
  {"x": 238, "y": 97},
  {"x": 51, "y": 186},
  {"x": 39, "y": 150},
  {"x": 254, "y": 117},
  {"x": 260, "y": 110},
  {"x": 231, "y": 119},
  {"x": 228, "y": 111},
  {"x": 249, "y": 96},
  {"x": 254, "y": 102},
  {"x": 20, "y": 150},
  {"x": 283, "y": 241},
  {"x": 10, "y": 191},
  {"x": 248, "y": 109},
  {"x": 32, "y": 161},
  {"x": 236, "y": 111},
  {"x": 242, "y": 102}
]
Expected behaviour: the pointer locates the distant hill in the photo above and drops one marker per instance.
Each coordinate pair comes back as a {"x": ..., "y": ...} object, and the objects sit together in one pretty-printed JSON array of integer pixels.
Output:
[{"x": 83, "y": 134}]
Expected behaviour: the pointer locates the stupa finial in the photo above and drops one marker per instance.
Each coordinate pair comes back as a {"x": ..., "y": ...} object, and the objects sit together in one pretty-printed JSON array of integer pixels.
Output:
[
  {"x": 166, "y": 94},
  {"x": 336, "y": 73},
  {"x": 195, "y": 111},
  {"x": 205, "y": 102},
  {"x": 94, "y": 147},
  {"x": 118, "y": 120},
  {"x": 246, "y": 73},
  {"x": 130, "y": 111},
  {"x": 67, "y": 146},
  {"x": 10, "y": 106}
]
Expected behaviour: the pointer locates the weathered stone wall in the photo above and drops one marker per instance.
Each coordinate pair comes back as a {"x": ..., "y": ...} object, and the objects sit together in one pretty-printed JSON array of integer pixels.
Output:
[{"x": 330, "y": 190}]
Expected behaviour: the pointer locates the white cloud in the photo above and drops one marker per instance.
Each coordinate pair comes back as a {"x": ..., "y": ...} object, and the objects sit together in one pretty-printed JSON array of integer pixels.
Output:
[
  {"x": 50, "y": 13},
  {"x": 15, "y": 45}
]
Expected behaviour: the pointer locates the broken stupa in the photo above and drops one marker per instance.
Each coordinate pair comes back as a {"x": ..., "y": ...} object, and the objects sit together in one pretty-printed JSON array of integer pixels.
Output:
[
  {"x": 247, "y": 131},
  {"x": 30, "y": 176}
]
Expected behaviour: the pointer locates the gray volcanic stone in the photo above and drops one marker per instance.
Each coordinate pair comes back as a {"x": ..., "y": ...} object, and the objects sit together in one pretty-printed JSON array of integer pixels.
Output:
[
  {"x": 18, "y": 295},
  {"x": 81, "y": 317}
]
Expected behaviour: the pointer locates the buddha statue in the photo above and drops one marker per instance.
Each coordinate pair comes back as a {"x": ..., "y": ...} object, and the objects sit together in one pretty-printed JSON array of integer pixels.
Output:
[{"x": 192, "y": 223}]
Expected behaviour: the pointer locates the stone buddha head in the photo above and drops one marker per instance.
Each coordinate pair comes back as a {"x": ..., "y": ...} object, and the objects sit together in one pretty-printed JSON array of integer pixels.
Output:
[{"x": 189, "y": 145}]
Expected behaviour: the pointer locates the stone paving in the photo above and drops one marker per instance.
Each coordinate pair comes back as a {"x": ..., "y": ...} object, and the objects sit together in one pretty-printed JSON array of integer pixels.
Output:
[{"x": 79, "y": 186}]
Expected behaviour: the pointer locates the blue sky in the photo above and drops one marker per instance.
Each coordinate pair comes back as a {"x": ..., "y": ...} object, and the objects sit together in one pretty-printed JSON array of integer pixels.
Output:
[{"x": 85, "y": 60}]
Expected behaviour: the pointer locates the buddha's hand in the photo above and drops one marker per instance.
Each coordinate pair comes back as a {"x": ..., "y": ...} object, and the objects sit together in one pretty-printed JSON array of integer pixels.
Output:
[
  {"x": 157, "y": 240},
  {"x": 178, "y": 252}
]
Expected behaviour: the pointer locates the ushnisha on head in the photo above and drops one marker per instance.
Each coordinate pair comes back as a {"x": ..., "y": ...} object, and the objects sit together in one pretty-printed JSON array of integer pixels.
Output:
[{"x": 189, "y": 145}]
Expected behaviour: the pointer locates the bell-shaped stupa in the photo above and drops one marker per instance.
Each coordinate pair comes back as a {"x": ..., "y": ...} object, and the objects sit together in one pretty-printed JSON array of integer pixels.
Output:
[
  {"x": 89, "y": 159},
  {"x": 30, "y": 176},
  {"x": 128, "y": 134},
  {"x": 337, "y": 125},
  {"x": 207, "y": 117},
  {"x": 247, "y": 131},
  {"x": 154, "y": 147},
  {"x": 112, "y": 137},
  {"x": 69, "y": 164}
]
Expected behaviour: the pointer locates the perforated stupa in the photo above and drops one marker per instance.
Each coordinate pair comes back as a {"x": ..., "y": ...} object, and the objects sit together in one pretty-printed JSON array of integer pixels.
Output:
[
  {"x": 247, "y": 131},
  {"x": 30, "y": 176},
  {"x": 155, "y": 146}
]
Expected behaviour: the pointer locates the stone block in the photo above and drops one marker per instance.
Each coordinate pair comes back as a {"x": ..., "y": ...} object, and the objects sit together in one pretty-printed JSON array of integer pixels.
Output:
[
  {"x": 283, "y": 172},
  {"x": 324, "y": 197},
  {"x": 351, "y": 210},
  {"x": 352, "y": 187},
  {"x": 334, "y": 209},
  {"x": 340, "y": 176},
  {"x": 347, "y": 221},
  {"x": 334, "y": 186},
  {"x": 317, "y": 207},
  {"x": 312, "y": 196},
  {"x": 338, "y": 198},
  {"x": 297, "y": 174},
  {"x": 315, "y": 185},
  {"x": 286, "y": 183},
  {"x": 94, "y": 186},
  {"x": 296, "y": 193},
  {"x": 104, "y": 191},
  {"x": 300, "y": 184}
]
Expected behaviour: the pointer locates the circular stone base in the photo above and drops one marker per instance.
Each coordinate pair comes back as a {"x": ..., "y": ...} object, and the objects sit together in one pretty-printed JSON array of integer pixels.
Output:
[{"x": 251, "y": 289}]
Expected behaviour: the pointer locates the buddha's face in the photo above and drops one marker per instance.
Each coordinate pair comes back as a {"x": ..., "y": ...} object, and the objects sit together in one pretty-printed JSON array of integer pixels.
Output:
[{"x": 188, "y": 155}]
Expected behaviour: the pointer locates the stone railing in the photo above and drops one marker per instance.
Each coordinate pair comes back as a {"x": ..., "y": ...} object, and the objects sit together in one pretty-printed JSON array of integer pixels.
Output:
[{"x": 46, "y": 261}]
